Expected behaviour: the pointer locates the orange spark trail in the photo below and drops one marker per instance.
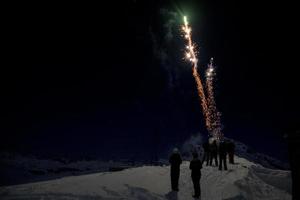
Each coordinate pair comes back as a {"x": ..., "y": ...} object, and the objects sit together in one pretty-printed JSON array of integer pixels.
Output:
[
  {"x": 191, "y": 55},
  {"x": 203, "y": 101}
]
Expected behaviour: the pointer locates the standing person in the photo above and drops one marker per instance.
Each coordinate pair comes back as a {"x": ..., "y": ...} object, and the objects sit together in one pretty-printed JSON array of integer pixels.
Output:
[
  {"x": 222, "y": 155},
  {"x": 175, "y": 161},
  {"x": 206, "y": 152},
  {"x": 213, "y": 153},
  {"x": 230, "y": 150},
  {"x": 196, "y": 166}
]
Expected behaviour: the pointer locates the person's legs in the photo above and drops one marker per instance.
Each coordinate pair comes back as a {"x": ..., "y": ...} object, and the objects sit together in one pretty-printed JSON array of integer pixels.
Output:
[
  {"x": 225, "y": 162},
  {"x": 207, "y": 158},
  {"x": 230, "y": 157},
  {"x": 204, "y": 157},
  {"x": 173, "y": 182},
  {"x": 220, "y": 162},
  {"x": 197, "y": 187},
  {"x": 216, "y": 159},
  {"x": 174, "y": 179},
  {"x": 196, "y": 183}
]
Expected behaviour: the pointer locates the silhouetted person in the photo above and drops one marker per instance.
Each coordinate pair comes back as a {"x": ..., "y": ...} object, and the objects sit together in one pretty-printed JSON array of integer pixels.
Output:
[
  {"x": 196, "y": 166},
  {"x": 213, "y": 153},
  {"x": 222, "y": 155},
  {"x": 206, "y": 153},
  {"x": 175, "y": 161},
  {"x": 230, "y": 150}
]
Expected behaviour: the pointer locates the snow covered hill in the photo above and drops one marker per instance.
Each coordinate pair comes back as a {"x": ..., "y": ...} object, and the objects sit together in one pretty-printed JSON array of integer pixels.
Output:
[
  {"x": 19, "y": 169},
  {"x": 244, "y": 180}
]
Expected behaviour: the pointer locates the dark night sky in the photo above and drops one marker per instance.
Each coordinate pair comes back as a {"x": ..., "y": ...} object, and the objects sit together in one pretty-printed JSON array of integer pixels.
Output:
[{"x": 106, "y": 80}]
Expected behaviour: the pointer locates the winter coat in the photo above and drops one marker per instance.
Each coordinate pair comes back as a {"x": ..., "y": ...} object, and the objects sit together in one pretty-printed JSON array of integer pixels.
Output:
[
  {"x": 205, "y": 147},
  {"x": 222, "y": 148},
  {"x": 213, "y": 147},
  {"x": 196, "y": 166},
  {"x": 230, "y": 147},
  {"x": 175, "y": 160}
]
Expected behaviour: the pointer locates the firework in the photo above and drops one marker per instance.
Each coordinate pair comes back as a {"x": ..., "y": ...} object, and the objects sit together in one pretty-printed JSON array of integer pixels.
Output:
[
  {"x": 191, "y": 56},
  {"x": 203, "y": 100},
  {"x": 212, "y": 109}
]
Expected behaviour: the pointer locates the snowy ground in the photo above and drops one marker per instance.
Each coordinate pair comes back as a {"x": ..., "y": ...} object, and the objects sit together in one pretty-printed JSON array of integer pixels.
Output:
[{"x": 245, "y": 180}]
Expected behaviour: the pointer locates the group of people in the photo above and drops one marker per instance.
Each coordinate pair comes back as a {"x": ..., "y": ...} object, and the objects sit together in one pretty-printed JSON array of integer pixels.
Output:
[{"x": 212, "y": 148}]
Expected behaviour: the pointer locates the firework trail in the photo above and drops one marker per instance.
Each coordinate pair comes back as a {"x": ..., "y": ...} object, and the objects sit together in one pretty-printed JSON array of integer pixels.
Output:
[
  {"x": 191, "y": 56},
  {"x": 212, "y": 109},
  {"x": 203, "y": 101}
]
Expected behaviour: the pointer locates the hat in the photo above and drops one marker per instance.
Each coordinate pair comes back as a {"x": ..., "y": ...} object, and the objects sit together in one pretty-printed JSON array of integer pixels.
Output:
[{"x": 175, "y": 150}]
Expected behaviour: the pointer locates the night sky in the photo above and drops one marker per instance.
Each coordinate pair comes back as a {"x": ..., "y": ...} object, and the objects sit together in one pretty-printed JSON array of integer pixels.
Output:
[{"x": 110, "y": 80}]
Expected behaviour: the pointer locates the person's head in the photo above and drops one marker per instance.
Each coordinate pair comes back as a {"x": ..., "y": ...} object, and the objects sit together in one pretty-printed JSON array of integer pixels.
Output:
[
  {"x": 175, "y": 150},
  {"x": 195, "y": 155}
]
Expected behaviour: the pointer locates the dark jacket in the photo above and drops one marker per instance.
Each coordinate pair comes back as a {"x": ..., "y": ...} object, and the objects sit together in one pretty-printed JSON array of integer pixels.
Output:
[
  {"x": 230, "y": 147},
  {"x": 205, "y": 147},
  {"x": 175, "y": 160},
  {"x": 196, "y": 166},
  {"x": 213, "y": 147},
  {"x": 222, "y": 148}
]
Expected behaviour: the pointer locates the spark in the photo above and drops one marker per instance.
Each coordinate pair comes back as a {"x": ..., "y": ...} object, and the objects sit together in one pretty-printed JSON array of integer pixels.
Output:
[
  {"x": 191, "y": 54},
  {"x": 214, "y": 114},
  {"x": 188, "y": 30},
  {"x": 209, "y": 109},
  {"x": 185, "y": 21}
]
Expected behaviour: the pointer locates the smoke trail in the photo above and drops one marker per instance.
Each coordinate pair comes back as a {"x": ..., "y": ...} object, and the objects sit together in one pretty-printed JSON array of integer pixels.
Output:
[
  {"x": 191, "y": 55},
  {"x": 212, "y": 109},
  {"x": 192, "y": 144}
]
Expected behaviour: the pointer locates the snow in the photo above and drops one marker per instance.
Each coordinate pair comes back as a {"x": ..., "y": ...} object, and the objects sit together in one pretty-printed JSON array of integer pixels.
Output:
[
  {"x": 244, "y": 180},
  {"x": 18, "y": 169}
]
